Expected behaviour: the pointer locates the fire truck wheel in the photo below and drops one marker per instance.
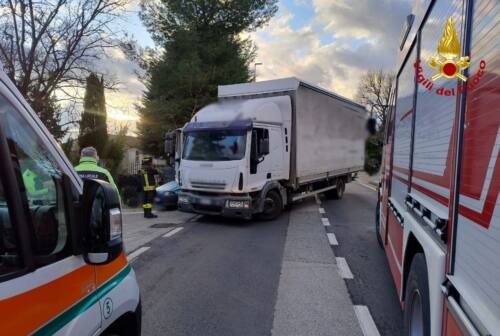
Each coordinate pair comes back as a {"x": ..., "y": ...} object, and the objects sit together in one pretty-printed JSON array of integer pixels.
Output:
[
  {"x": 377, "y": 225},
  {"x": 417, "y": 307},
  {"x": 339, "y": 191},
  {"x": 273, "y": 206}
]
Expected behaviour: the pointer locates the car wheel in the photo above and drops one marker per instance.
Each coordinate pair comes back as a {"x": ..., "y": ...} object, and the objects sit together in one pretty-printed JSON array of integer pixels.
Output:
[
  {"x": 417, "y": 306},
  {"x": 273, "y": 205}
]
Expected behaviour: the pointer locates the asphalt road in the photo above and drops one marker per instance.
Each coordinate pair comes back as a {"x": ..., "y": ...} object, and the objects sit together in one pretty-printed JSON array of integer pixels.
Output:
[
  {"x": 218, "y": 277},
  {"x": 352, "y": 221},
  {"x": 215, "y": 277}
]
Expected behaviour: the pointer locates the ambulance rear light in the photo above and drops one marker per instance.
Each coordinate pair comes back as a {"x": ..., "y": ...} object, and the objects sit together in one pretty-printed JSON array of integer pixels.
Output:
[{"x": 115, "y": 224}]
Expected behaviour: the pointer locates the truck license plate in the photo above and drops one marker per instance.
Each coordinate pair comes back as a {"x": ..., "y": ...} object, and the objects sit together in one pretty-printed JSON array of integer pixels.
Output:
[{"x": 205, "y": 201}]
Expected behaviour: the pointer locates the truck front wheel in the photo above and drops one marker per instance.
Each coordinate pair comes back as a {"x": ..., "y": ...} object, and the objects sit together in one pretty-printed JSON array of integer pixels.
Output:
[
  {"x": 417, "y": 306},
  {"x": 273, "y": 206}
]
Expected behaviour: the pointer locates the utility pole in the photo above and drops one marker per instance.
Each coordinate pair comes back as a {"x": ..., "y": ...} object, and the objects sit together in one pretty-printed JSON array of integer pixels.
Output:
[{"x": 255, "y": 71}]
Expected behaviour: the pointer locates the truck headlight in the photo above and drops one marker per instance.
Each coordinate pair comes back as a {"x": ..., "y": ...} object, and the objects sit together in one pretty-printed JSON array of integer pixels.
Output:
[
  {"x": 238, "y": 204},
  {"x": 183, "y": 199}
]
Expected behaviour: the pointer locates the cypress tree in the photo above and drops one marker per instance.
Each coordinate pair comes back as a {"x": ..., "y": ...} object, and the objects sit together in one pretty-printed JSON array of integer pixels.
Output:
[{"x": 93, "y": 126}]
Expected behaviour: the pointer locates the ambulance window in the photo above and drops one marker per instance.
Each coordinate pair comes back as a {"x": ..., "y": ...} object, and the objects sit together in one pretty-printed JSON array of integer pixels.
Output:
[
  {"x": 10, "y": 260},
  {"x": 42, "y": 185}
]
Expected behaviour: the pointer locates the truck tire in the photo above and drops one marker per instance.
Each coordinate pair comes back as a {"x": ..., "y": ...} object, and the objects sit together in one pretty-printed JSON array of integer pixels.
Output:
[
  {"x": 377, "y": 225},
  {"x": 338, "y": 192},
  {"x": 417, "y": 306},
  {"x": 273, "y": 205}
]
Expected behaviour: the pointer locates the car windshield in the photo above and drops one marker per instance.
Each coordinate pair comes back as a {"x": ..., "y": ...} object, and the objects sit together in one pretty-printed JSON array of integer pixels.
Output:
[{"x": 214, "y": 145}]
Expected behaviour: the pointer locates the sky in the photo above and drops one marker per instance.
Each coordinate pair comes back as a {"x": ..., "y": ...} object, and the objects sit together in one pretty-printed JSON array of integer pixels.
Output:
[{"x": 330, "y": 43}]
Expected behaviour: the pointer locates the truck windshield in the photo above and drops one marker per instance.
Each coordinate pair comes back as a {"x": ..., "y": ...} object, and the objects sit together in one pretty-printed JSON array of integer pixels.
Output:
[{"x": 214, "y": 145}]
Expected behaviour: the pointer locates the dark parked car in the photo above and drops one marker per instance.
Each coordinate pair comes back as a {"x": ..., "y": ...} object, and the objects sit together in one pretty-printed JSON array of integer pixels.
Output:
[{"x": 166, "y": 196}]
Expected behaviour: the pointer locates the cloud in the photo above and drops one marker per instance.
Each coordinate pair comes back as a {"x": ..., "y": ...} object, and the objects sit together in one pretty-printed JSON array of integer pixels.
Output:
[{"x": 360, "y": 35}]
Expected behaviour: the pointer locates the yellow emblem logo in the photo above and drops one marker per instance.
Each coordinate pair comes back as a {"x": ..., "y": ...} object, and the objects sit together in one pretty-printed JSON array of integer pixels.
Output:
[{"x": 447, "y": 60}]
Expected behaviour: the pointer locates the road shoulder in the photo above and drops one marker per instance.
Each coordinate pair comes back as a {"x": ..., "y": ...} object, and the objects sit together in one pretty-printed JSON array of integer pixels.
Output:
[{"x": 312, "y": 296}]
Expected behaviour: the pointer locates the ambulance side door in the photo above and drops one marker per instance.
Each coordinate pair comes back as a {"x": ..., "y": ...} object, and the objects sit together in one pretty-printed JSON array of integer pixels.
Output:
[{"x": 44, "y": 287}]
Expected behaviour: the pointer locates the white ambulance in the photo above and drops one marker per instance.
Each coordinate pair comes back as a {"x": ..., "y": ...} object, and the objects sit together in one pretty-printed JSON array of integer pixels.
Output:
[
  {"x": 62, "y": 266},
  {"x": 439, "y": 213}
]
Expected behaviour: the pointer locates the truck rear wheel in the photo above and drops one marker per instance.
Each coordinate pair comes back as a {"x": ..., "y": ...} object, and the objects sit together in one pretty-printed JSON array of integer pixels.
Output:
[
  {"x": 417, "y": 306},
  {"x": 338, "y": 192},
  {"x": 273, "y": 205}
]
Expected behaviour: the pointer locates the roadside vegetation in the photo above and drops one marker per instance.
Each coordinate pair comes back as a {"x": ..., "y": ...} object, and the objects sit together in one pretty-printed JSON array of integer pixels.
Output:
[
  {"x": 201, "y": 46},
  {"x": 374, "y": 92}
]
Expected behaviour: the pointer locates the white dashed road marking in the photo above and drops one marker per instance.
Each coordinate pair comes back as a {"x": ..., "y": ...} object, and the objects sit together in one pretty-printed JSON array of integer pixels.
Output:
[
  {"x": 325, "y": 221},
  {"x": 332, "y": 239},
  {"x": 321, "y": 210},
  {"x": 172, "y": 232},
  {"x": 366, "y": 321},
  {"x": 137, "y": 252},
  {"x": 344, "y": 270}
]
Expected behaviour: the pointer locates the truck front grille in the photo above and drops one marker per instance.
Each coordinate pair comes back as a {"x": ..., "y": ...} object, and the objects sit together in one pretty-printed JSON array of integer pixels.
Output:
[{"x": 208, "y": 185}]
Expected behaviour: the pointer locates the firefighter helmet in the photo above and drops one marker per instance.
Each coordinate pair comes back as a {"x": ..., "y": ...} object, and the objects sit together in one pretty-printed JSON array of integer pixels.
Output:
[{"x": 147, "y": 160}]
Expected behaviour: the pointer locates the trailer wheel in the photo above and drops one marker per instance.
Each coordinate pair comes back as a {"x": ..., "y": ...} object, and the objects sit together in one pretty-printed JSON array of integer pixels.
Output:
[
  {"x": 338, "y": 192},
  {"x": 273, "y": 205},
  {"x": 417, "y": 306},
  {"x": 377, "y": 225}
]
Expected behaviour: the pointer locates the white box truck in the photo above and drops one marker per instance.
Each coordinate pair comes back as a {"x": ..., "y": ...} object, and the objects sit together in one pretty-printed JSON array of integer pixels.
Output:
[{"x": 264, "y": 145}]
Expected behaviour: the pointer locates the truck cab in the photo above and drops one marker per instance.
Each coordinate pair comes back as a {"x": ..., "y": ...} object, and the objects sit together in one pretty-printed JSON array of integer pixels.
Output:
[
  {"x": 62, "y": 265},
  {"x": 233, "y": 152}
]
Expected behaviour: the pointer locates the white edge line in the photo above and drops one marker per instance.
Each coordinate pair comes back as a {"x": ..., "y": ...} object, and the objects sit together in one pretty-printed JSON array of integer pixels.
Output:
[
  {"x": 321, "y": 210},
  {"x": 132, "y": 213},
  {"x": 172, "y": 232},
  {"x": 367, "y": 186},
  {"x": 325, "y": 221},
  {"x": 137, "y": 252},
  {"x": 332, "y": 239},
  {"x": 344, "y": 270},
  {"x": 366, "y": 321}
]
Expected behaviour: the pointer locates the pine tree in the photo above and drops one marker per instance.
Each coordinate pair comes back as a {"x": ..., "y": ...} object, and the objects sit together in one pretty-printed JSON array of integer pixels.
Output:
[
  {"x": 93, "y": 126},
  {"x": 202, "y": 49}
]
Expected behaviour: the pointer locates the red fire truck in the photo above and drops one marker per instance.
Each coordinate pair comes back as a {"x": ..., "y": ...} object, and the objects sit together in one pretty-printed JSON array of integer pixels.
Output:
[{"x": 438, "y": 216}]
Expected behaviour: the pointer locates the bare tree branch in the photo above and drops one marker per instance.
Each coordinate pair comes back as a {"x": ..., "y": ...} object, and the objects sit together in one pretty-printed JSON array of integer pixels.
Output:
[
  {"x": 46, "y": 46},
  {"x": 374, "y": 91}
]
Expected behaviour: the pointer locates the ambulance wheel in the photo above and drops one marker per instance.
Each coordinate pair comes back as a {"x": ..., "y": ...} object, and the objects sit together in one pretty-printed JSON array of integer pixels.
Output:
[
  {"x": 273, "y": 205},
  {"x": 417, "y": 306},
  {"x": 338, "y": 192},
  {"x": 377, "y": 225}
]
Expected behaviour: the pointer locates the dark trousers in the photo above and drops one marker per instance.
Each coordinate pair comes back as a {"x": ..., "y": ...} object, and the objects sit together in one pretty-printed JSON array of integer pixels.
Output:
[{"x": 147, "y": 202}]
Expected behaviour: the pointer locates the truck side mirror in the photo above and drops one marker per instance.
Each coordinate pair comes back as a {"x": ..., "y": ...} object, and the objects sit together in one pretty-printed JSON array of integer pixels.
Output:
[
  {"x": 371, "y": 126},
  {"x": 264, "y": 146},
  {"x": 102, "y": 222},
  {"x": 169, "y": 145}
]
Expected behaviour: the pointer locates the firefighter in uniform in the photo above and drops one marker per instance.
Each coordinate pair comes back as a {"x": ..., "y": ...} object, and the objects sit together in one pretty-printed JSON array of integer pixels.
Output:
[{"x": 148, "y": 176}]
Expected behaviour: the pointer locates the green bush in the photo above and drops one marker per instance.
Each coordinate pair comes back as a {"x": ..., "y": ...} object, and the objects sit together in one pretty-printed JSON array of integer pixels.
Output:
[{"x": 373, "y": 153}]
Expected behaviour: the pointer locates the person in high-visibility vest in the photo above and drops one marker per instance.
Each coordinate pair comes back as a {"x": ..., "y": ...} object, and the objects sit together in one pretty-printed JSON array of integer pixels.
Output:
[
  {"x": 88, "y": 167},
  {"x": 149, "y": 175},
  {"x": 33, "y": 186}
]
